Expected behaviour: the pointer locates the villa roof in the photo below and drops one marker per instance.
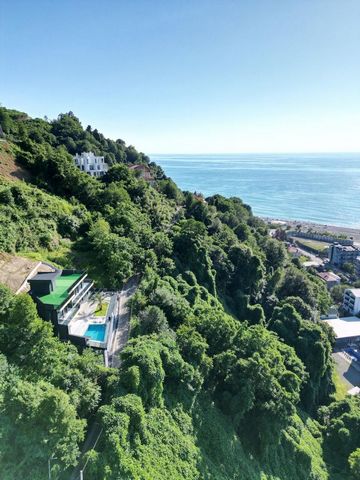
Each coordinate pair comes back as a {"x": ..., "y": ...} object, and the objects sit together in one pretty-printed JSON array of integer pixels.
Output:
[
  {"x": 45, "y": 275},
  {"x": 139, "y": 166},
  {"x": 60, "y": 292}
]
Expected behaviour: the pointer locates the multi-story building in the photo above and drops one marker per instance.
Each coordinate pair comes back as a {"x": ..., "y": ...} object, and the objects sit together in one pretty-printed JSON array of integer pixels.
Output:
[
  {"x": 80, "y": 314},
  {"x": 91, "y": 164},
  {"x": 341, "y": 254},
  {"x": 357, "y": 266},
  {"x": 351, "y": 300}
]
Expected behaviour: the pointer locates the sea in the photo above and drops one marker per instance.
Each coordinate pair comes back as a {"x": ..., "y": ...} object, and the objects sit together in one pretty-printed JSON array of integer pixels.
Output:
[{"x": 320, "y": 188}]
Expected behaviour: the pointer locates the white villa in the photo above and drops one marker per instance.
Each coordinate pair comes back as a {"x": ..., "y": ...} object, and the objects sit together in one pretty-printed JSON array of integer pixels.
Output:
[{"x": 91, "y": 164}]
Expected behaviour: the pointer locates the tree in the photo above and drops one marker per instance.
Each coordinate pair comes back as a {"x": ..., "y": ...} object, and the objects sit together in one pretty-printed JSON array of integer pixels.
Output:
[
  {"x": 349, "y": 268},
  {"x": 152, "y": 320},
  {"x": 354, "y": 463},
  {"x": 38, "y": 421},
  {"x": 275, "y": 253},
  {"x": 342, "y": 422},
  {"x": 296, "y": 283},
  {"x": 113, "y": 253},
  {"x": 312, "y": 346},
  {"x": 257, "y": 382}
]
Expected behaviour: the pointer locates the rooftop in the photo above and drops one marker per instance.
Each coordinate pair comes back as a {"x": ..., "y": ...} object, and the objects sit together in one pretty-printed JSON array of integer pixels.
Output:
[
  {"x": 46, "y": 275},
  {"x": 329, "y": 276},
  {"x": 345, "y": 248},
  {"x": 354, "y": 291},
  {"x": 345, "y": 327},
  {"x": 60, "y": 293}
]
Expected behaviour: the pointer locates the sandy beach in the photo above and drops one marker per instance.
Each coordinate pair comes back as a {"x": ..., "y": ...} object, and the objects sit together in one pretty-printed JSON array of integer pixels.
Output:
[{"x": 353, "y": 233}]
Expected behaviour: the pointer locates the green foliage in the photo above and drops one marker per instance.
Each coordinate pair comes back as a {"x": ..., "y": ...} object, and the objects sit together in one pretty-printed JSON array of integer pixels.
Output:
[
  {"x": 38, "y": 421},
  {"x": 44, "y": 391},
  {"x": 258, "y": 383},
  {"x": 312, "y": 346},
  {"x": 342, "y": 422},
  {"x": 354, "y": 463},
  {"x": 31, "y": 219},
  {"x": 224, "y": 348},
  {"x": 309, "y": 288}
]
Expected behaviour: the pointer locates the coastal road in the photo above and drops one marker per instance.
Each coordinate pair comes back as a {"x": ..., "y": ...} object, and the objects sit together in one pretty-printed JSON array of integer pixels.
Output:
[{"x": 122, "y": 329}]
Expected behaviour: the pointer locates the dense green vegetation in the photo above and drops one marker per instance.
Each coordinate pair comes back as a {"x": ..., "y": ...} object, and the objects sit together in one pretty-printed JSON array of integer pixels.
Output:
[{"x": 227, "y": 366}]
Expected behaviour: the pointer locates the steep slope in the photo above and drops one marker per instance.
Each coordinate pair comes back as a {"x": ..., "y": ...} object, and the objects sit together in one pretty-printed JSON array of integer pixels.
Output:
[{"x": 225, "y": 369}]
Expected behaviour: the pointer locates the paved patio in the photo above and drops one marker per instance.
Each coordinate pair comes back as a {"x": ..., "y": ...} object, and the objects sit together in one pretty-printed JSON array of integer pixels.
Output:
[{"x": 86, "y": 315}]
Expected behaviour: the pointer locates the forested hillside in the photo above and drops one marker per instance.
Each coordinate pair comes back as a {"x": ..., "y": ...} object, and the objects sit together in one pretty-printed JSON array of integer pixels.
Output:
[{"x": 228, "y": 373}]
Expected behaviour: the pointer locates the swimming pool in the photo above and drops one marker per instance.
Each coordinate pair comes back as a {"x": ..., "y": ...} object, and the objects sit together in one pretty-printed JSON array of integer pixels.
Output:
[{"x": 96, "y": 332}]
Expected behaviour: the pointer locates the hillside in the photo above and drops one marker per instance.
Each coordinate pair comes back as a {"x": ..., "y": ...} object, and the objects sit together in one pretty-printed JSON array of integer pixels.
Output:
[
  {"x": 9, "y": 169},
  {"x": 226, "y": 374}
]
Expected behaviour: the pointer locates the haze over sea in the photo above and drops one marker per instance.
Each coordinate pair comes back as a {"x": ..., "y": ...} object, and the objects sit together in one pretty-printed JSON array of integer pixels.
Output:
[{"x": 320, "y": 188}]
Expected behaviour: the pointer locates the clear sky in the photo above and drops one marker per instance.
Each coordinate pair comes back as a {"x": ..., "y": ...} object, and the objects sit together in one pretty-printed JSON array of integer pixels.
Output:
[{"x": 190, "y": 76}]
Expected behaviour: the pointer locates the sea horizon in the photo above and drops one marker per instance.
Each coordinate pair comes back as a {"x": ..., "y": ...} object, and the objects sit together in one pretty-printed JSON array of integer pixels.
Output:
[{"x": 316, "y": 187}]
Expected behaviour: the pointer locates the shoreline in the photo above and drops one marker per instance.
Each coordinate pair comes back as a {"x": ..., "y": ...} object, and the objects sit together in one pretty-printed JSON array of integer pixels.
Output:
[{"x": 318, "y": 227}]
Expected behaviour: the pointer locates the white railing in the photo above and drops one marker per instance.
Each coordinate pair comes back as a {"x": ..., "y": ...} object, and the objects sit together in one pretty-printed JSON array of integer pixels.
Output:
[{"x": 65, "y": 317}]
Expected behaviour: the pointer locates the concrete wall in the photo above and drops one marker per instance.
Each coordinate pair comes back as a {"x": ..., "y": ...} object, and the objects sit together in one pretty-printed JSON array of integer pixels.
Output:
[{"x": 321, "y": 238}]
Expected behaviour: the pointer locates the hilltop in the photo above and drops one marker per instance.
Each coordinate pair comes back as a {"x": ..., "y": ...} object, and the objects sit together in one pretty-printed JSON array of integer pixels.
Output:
[{"x": 227, "y": 373}]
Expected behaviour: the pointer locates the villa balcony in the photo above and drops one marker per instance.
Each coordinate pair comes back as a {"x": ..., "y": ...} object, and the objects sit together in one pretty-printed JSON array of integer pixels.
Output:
[{"x": 65, "y": 316}]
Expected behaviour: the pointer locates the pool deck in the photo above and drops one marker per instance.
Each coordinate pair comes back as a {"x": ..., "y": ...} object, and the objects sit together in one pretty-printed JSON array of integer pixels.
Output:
[{"x": 86, "y": 316}]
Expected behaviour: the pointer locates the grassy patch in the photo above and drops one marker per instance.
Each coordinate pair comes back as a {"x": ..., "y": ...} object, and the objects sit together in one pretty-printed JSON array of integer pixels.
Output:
[
  {"x": 61, "y": 257},
  {"x": 340, "y": 386},
  {"x": 303, "y": 259},
  {"x": 100, "y": 312},
  {"x": 313, "y": 244}
]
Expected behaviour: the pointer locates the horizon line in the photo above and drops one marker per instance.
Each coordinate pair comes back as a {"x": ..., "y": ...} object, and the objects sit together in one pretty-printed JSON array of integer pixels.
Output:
[{"x": 259, "y": 153}]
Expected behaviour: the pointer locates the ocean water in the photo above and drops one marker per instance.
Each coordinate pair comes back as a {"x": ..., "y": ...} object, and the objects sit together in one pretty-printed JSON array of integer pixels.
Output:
[{"x": 320, "y": 188}]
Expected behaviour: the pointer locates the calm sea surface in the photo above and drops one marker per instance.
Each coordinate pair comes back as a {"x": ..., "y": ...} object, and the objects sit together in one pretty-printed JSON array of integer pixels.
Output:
[{"x": 322, "y": 188}]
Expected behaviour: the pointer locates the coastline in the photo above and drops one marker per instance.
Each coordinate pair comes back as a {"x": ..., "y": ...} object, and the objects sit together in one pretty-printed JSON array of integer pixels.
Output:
[{"x": 350, "y": 232}]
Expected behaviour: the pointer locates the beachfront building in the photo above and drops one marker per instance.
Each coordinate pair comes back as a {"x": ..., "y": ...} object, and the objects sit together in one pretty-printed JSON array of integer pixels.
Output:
[
  {"x": 66, "y": 299},
  {"x": 330, "y": 278},
  {"x": 341, "y": 254},
  {"x": 351, "y": 301},
  {"x": 91, "y": 164}
]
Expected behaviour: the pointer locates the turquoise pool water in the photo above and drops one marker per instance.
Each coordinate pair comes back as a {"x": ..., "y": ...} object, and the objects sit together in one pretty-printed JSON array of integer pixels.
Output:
[{"x": 96, "y": 332}]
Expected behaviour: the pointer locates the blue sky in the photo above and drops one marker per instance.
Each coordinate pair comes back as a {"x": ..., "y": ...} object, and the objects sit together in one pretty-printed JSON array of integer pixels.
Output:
[{"x": 190, "y": 76}]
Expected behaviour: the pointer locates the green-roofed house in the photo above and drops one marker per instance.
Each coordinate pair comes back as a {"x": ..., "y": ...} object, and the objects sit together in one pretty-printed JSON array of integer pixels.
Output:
[{"x": 58, "y": 296}]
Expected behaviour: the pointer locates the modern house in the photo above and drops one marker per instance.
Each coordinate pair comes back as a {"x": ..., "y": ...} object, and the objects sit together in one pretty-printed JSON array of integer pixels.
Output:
[
  {"x": 91, "y": 164},
  {"x": 351, "y": 300},
  {"x": 65, "y": 298},
  {"x": 330, "y": 278},
  {"x": 341, "y": 254}
]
